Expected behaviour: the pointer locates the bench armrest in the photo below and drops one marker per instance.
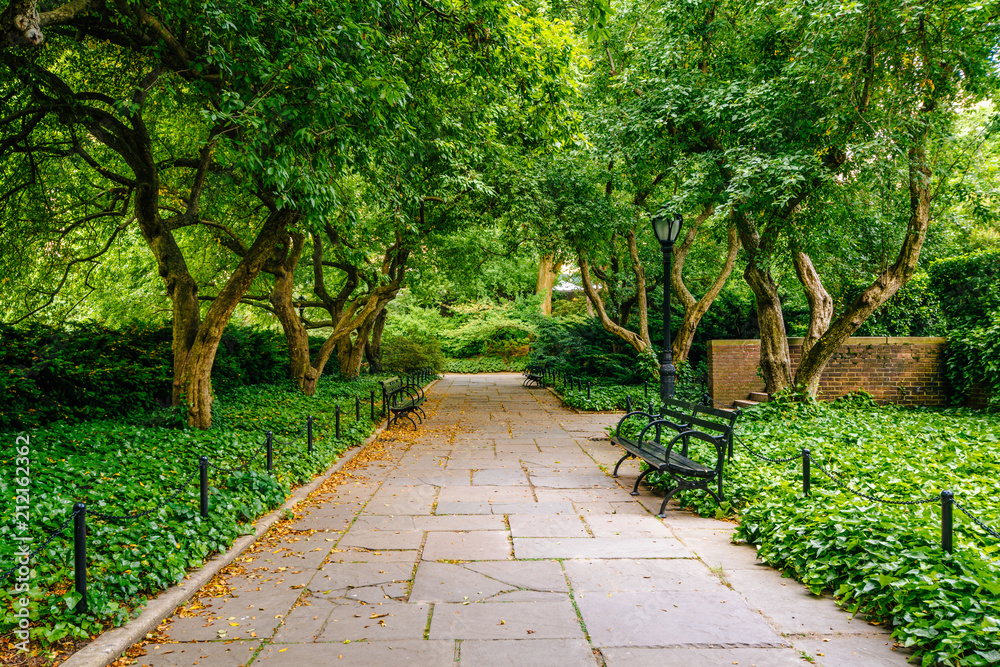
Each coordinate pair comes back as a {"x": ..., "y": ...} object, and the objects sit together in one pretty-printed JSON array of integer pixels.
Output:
[
  {"x": 634, "y": 413},
  {"x": 406, "y": 392},
  {"x": 684, "y": 437}
]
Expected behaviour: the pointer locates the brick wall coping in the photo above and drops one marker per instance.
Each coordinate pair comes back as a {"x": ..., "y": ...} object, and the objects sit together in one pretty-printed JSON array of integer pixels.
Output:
[{"x": 858, "y": 340}]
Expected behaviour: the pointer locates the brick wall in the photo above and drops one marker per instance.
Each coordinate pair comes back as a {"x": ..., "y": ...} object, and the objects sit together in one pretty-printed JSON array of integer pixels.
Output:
[{"x": 907, "y": 371}]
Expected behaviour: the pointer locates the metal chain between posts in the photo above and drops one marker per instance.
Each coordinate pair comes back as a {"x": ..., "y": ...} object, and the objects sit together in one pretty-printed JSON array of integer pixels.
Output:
[
  {"x": 52, "y": 536},
  {"x": 762, "y": 457},
  {"x": 876, "y": 499},
  {"x": 140, "y": 515},
  {"x": 243, "y": 467},
  {"x": 977, "y": 521}
]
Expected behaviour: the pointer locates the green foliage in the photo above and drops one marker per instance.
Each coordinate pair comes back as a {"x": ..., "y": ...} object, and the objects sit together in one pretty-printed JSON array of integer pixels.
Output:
[
  {"x": 407, "y": 353},
  {"x": 912, "y": 311},
  {"x": 609, "y": 396},
  {"x": 84, "y": 371},
  {"x": 486, "y": 365},
  {"x": 249, "y": 356},
  {"x": 968, "y": 289},
  {"x": 884, "y": 561},
  {"x": 477, "y": 337},
  {"x": 87, "y": 371},
  {"x": 582, "y": 347},
  {"x": 119, "y": 468},
  {"x": 503, "y": 330}
]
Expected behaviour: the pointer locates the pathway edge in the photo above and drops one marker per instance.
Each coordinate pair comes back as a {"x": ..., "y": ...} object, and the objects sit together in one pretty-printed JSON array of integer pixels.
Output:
[{"x": 109, "y": 646}]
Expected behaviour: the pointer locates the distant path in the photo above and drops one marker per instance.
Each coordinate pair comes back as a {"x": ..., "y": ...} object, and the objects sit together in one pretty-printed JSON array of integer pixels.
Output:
[{"x": 491, "y": 536}]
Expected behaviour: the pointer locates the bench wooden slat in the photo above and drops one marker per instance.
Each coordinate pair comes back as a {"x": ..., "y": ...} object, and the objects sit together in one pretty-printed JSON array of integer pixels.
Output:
[{"x": 714, "y": 412}]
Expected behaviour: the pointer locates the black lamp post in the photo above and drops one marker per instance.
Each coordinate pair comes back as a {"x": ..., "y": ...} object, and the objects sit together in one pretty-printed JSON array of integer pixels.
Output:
[
  {"x": 302, "y": 307},
  {"x": 667, "y": 227}
]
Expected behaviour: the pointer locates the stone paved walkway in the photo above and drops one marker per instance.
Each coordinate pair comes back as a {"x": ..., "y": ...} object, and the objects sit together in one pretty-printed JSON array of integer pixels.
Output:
[{"x": 494, "y": 536}]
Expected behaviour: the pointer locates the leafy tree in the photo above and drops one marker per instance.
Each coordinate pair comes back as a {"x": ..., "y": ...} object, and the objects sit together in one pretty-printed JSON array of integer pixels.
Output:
[{"x": 224, "y": 121}]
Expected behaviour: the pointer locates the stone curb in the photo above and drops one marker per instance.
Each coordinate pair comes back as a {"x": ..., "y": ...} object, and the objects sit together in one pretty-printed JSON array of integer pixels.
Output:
[{"x": 110, "y": 645}]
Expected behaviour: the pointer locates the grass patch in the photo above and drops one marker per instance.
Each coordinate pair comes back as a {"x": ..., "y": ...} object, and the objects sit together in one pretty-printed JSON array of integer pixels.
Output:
[{"x": 120, "y": 468}]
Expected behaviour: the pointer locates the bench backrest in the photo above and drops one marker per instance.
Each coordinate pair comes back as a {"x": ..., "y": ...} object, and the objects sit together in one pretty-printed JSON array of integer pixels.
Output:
[{"x": 390, "y": 385}]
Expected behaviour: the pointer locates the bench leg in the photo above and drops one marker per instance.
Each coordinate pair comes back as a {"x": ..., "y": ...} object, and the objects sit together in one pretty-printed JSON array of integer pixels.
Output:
[
  {"x": 717, "y": 496},
  {"x": 411, "y": 420},
  {"x": 620, "y": 461},
  {"x": 663, "y": 506},
  {"x": 635, "y": 489}
]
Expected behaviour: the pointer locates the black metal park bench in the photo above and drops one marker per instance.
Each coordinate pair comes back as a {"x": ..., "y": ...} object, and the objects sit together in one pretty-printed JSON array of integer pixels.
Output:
[
  {"x": 402, "y": 398},
  {"x": 699, "y": 437},
  {"x": 534, "y": 377}
]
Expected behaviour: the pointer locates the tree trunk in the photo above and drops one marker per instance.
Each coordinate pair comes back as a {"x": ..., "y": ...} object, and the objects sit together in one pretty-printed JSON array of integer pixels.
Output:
[
  {"x": 350, "y": 363},
  {"x": 820, "y": 302},
  {"x": 373, "y": 348},
  {"x": 548, "y": 273},
  {"x": 282, "y": 300},
  {"x": 695, "y": 309},
  {"x": 193, "y": 379},
  {"x": 885, "y": 285},
  {"x": 637, "y": 343},
  {"x": 775, "y": 362},
  {"x": 640, "y": 289}
]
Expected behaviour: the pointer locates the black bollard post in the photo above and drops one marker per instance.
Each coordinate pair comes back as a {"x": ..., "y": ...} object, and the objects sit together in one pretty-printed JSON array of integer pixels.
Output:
[
  {"x": 80, "y": 555},
  {"x": 588, "y": 389},
  {"x": 805, "y": 472},
  {"x": 628, "y": 403},
  {"x": 203, "y": 474},
  {"x": 309, "y": 433},
  {"x": 645, "y": 390},
  {"x": 357, "y": 408},
  {"x": 270, "y": 452},
  {"x": 373, "y": 405},
  {"x": 947, "y": 500},
  {"x": 338, "y": 421}
]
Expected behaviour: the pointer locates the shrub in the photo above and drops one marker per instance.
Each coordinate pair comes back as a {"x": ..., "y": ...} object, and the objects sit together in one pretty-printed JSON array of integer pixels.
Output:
[
  {"x": 407, "y": 353},
  {"x": 84, "y": 371},
  {"x": 486, "y": 365},
  {"x": 505, "y": 330},
  {"x": 249, "y": 356},
  {"x": 913, "y": 311},
  {"x": 582, "y": 347},
  {"x": 968, "y": 289},
  {"x": 87, "y": 371}
]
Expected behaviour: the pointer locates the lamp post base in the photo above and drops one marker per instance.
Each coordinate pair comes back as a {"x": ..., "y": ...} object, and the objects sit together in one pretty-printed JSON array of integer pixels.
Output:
[{"x": 668, "y": 376}]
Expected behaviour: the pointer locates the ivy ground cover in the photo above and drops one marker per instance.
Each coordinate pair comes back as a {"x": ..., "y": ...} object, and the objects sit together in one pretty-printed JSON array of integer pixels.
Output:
[
  {"x": 884, "y": 561},
  {"x": 124, "y": 468}
]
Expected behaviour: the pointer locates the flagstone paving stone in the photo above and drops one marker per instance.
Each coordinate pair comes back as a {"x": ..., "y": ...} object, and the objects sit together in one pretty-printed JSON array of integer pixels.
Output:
[
  {"x": 526, "y": 652},
  {"x": 493, "y": 535}
]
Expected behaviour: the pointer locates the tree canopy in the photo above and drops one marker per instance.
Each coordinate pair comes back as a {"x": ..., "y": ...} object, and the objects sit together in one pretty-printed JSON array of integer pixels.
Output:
[{"x": 301, "y": 164}]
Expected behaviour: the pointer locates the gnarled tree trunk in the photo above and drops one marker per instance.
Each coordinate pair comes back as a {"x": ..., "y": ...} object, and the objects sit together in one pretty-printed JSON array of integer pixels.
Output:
[
  {"x": 775, "y": 362},
  {"x": 192, "y": 380},
  {"x": 886, "y": 284},
  {"x": 820, "y": 302},
  {"x": 639, "y": 343},
  {"x": 695, "y": 309},
  {"x": 373, "y": 348}
]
